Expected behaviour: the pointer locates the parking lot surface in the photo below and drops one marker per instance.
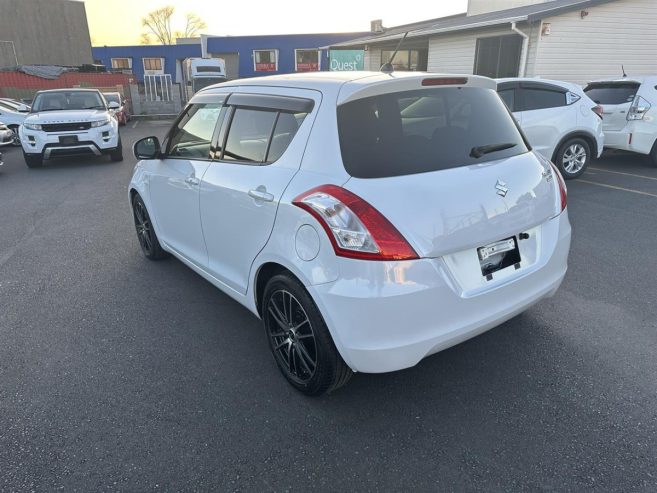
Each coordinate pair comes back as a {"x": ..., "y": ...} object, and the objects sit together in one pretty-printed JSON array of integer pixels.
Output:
[{"x": 117, "y": 373}]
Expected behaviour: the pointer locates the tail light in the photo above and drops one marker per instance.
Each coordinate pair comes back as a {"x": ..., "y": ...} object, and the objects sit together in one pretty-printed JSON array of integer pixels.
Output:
[
  {"x": 354, "y": 227},
  {"x": 598, "y": 110},
  {"x": 638, "y": 109},
  {"x": 563, "y": 191}
]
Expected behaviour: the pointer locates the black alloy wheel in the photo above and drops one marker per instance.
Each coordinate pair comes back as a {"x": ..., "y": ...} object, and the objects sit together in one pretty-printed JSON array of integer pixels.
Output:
[{"x": 148, "y": 241}]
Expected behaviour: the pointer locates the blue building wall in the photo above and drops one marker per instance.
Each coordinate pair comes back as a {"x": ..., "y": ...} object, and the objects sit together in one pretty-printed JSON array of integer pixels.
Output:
[
  {"x": 284, "y": 43},
  {"x": 170, "y": 53},
  {"x": 243, "y": 45}
]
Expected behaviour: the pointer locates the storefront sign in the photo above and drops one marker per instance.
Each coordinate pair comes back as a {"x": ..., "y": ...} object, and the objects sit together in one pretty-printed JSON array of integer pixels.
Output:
[
  {"x": 265, "y": 67},
  {"x": 346, "y": 60}
]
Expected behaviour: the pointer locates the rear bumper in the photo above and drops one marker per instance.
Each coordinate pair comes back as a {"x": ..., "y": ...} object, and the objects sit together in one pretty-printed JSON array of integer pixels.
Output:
[
  {"x": 386, "y": 316},
  {"x": 640, "y": 142}
]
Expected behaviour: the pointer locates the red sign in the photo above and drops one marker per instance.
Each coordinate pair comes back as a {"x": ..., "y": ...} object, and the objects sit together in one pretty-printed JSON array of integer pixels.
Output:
[
  {"x": 308, "y": 67},
  {"x": 265, "y": 67}
]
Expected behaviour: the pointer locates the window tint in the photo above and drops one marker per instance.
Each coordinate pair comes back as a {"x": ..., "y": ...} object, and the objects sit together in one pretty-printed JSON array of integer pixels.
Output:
[
  {"x": 193, "y": 134},
  {"x": 259, "y": 136},
  {"x": 249, "y": 134},
  {"x": 287, "y": 126},
  {"x": 538, "y": 99},
  {"x": 498, "y": 57},
  {"x": 420, "y": 131},
  {"x": 509, "y": 98},
  {"x": 615, "y": 93}
]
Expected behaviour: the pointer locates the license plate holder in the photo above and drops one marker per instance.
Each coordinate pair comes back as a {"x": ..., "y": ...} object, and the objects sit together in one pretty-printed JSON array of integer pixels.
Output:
[
  {"x": 498, "y": 255},
  {"x": 68, "y": 139}
]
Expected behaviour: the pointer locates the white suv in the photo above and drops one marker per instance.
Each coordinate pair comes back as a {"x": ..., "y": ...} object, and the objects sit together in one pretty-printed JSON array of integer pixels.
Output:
[
  {"x": 69, "y": 122},
  {"x": 629, "y": 113},
  {"x": 559, "y": 120},
  {"x": 369, "y": 219}
]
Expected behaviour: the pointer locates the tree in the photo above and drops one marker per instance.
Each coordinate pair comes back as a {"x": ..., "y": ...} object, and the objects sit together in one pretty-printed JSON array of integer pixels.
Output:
[
  {"x": 193, "y": 24},
  {"x": 158, "y": 25}
]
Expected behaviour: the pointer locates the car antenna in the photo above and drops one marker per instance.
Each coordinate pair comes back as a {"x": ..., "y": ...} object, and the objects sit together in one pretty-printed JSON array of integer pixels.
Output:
[
  {"x": 623, "y": 69},
  {"x": 387, "y": 67}
]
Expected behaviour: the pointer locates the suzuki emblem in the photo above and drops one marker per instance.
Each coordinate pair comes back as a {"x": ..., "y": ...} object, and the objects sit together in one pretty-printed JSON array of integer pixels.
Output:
[{"x": 501, "y": 188}]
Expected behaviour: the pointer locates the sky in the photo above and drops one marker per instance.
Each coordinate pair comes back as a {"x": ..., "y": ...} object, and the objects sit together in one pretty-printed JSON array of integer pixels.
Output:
[{"x": 118, "y": 22}]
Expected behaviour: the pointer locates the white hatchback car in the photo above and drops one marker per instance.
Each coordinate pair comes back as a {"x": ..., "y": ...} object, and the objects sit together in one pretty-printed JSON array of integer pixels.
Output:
[
  {"x": 559, "y": 120},
  {"x": 630, "y": 109},
  {"x": 370, "y": 220}
]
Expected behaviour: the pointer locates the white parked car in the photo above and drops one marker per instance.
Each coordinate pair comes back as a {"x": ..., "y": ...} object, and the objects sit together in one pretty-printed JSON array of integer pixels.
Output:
[
  {"x": 70, "y": 122},
  {"x": 13, "y": 119},
  {"x": 370, "y": 220},
  {"x": 629, "y": 113},
  {"x": 6, "y": 135},
  {"x": 559, "y": 120}
]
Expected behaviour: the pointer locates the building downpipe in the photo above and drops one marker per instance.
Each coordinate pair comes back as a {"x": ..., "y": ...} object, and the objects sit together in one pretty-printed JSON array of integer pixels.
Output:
[{"x": 524, "y": 53}]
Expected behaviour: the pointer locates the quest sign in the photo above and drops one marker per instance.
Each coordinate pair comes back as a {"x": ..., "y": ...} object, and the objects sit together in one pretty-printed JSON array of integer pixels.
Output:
[{"x": 346, "y": 60}]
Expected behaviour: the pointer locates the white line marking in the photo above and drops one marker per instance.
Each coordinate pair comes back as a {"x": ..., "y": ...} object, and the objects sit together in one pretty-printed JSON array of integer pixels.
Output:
[
  {"x": 626, "y": 174},
  {"x": 134, "y": 125},
  {"x": 618, "y": 188}
]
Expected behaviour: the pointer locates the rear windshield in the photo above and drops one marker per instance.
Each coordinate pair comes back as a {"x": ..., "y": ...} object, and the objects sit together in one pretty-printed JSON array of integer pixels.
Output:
[
  {"x": 612, "y": 93},
  {"x": 410, "y": 132}
]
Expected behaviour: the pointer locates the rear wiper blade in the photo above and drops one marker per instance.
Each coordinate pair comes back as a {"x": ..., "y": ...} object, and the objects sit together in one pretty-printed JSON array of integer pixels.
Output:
[{"x": 479, "y": 151}]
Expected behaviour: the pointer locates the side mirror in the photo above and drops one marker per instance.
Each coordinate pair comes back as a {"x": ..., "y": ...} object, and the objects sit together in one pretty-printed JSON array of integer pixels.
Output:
[
  {"x": 113, "y": 105},
  {"x": 147, "y": 148}
]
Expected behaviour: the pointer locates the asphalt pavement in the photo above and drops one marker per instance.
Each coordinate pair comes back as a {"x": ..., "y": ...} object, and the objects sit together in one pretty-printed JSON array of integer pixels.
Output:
[{"x": 117, "y": 373}]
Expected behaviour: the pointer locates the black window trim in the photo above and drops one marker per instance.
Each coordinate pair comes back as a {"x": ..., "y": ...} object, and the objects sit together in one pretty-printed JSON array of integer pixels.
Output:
[{"x": 289, "y": 104}]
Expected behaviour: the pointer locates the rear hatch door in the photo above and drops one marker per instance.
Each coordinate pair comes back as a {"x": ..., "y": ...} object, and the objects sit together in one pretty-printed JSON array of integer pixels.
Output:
[{"x": 616, "y": 98}]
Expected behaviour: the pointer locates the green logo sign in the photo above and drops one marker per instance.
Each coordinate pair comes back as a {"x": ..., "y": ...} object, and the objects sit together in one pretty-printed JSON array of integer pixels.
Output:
[{"x": 346, "y": 60}]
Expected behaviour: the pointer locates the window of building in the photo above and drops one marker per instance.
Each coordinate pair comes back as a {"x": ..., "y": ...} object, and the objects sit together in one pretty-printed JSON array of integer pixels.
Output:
[
  {"x": 498, "y": 56},
  {"x": 152, "y": 64},
  {"x": 307, "y": 60},
  {"x": 265, "y": 60},
  {"x": 406, "y": 60},
  {"x": 121, "y": 63},
  {"x": 193, "y": 134}
]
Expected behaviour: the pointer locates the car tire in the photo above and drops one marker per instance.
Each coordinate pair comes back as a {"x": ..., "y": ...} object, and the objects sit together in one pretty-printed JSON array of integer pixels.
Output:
[
  {"x": 148, "y": 241},
  {"x": 573, "y": 158},
  {"x": 117, "y": 154},
  {"x": 17, "y": 140},
  {"x": 33, "y": 160},
  {"x": 299, "y": 339}
]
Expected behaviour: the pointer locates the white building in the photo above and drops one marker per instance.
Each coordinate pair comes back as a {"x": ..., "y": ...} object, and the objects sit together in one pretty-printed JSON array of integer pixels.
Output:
[{"x": 571, "y": 40}]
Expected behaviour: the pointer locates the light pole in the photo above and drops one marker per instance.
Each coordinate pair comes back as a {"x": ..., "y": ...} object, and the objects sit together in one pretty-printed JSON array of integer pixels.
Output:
[{"x": 13, "y": 47}]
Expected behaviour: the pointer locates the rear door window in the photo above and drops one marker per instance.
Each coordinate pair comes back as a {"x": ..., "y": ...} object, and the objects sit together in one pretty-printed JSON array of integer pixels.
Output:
[
  {"x": 539, "y": 99},
  {"x": 612, "y": 93},
  {"x": 410, "y": 132},
  {"x": 260, "y": 135},
  {"x": 509, "y": 98}
]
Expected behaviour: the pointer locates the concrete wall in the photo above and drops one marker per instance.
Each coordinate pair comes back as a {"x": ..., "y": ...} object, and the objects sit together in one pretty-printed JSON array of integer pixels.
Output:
[{"x": 46, "y": 32}]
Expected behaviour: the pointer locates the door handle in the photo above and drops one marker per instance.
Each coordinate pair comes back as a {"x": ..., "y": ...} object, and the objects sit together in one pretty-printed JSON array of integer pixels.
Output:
[
  {"x": 192, "y": 181},
  {"x": 260, "y": 193}
]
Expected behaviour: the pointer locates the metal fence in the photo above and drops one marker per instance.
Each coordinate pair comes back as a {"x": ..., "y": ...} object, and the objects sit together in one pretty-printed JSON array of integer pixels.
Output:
[{"x": 158, "y": 87}]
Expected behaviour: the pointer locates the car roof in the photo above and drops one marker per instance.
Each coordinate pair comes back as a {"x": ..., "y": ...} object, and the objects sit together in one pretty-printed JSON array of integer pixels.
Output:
[
  {"x": 639, "y": 80},
  {"x": 334, "y": 82},
  {"x": 539, "y": 80}
]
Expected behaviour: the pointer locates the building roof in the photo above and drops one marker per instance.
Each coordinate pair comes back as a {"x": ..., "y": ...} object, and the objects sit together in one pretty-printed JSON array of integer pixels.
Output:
[{"x": 463, "y": 22}]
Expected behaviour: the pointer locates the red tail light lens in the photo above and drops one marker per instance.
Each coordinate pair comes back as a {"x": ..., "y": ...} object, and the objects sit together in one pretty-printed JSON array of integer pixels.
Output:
[
  {"x": 563, "y": 191},
  {"x": 354, "y": 227},
  {"x": 598, "y": 110}
]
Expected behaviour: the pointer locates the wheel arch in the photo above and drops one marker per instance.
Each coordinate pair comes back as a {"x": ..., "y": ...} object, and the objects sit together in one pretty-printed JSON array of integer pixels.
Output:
[
  {"x": 264, "y": 273},
  {"x": 581, "y": 134}
]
